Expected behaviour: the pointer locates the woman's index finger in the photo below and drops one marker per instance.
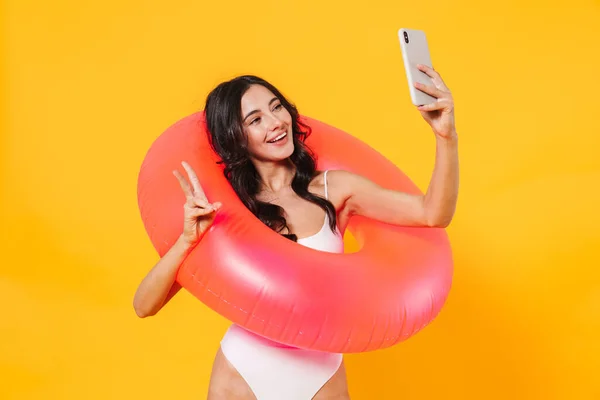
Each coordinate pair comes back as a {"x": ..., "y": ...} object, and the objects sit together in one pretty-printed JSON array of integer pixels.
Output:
[
  {"x": 194, "y": 180},
  {"x": 187, "y": 190}
]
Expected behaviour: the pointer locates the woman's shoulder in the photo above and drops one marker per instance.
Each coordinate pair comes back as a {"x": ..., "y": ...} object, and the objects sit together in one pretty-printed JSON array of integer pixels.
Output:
[
  {"x": 325, "y": 176},
  {"x": 317, "y": 183},
  {"x": 337, "y": 180},
  {"x": 334, "y": 177}
]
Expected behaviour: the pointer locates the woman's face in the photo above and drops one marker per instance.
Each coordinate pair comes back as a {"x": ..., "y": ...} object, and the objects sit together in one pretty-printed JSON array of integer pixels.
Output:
[{"x": 267, "y": 125}]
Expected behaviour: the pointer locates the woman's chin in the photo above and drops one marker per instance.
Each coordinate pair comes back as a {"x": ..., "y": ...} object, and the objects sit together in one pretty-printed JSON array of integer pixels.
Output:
[{"x": 281, "y": 154}]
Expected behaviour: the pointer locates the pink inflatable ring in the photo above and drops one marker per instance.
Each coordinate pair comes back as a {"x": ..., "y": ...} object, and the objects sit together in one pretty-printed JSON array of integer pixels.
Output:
[{"x": 355, "y": 302}]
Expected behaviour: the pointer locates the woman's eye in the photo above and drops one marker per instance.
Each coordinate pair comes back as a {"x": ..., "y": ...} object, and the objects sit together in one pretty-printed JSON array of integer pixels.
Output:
[
  {"x": 278, "y": 107},
  {"x": 255, "y": 120}
]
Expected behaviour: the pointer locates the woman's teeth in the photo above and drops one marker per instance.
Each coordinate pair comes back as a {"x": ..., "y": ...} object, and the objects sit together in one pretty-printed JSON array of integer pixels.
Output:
[{"x": 278, "y": 138}]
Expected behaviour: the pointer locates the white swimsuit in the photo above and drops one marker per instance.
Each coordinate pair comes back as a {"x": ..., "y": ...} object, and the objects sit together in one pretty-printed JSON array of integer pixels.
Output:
[{"x": 275, "y": 371}]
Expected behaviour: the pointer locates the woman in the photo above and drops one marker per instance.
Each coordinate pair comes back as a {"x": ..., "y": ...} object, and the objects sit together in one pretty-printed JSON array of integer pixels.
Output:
[{"x": 255, "y": 131}]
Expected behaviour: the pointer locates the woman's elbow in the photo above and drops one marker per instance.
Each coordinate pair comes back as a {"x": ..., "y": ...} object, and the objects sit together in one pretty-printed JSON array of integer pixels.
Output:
[
  {"x": 143, "y": 311},
  {"x": 438, "y": 221}
]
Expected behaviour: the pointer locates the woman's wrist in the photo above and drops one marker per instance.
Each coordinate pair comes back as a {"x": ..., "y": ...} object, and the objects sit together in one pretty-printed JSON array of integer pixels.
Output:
[
  {"x": 447, "y": 139},
  {"x": 184, "y": 245}
]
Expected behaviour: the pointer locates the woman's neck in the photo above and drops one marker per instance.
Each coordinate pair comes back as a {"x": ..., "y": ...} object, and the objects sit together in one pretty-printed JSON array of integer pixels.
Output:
[{"x": 276, "y": 176}]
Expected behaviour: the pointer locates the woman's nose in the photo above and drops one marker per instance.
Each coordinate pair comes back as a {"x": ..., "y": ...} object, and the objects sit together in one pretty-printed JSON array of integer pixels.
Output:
[{"x": 274, "y": 123}]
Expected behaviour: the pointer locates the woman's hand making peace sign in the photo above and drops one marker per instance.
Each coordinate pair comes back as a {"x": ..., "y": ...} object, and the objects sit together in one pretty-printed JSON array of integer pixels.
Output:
[{"x": 198, "y": 213}]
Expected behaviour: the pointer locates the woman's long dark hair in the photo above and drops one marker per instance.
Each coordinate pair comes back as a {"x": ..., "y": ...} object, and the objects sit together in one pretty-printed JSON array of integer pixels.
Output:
[{"x": 224, "y": 123}]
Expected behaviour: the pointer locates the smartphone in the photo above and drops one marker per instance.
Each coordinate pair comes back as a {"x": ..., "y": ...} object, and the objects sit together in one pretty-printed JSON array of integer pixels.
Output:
[{"x": 415, "y": 50}]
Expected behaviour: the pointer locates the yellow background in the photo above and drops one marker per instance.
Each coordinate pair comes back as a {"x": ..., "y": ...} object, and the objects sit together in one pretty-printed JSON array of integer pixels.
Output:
[{"x": 88, "y": 85}]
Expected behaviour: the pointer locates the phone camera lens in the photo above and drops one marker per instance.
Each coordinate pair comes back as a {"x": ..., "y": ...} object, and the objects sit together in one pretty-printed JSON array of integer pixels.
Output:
[{"x": 406, "y": 37}]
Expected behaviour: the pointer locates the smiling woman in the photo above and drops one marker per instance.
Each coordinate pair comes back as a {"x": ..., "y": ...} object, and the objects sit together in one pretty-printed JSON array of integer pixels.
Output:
[
  {"x": 295, "y": 309},
  {"x": 243, "y": 134}
]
